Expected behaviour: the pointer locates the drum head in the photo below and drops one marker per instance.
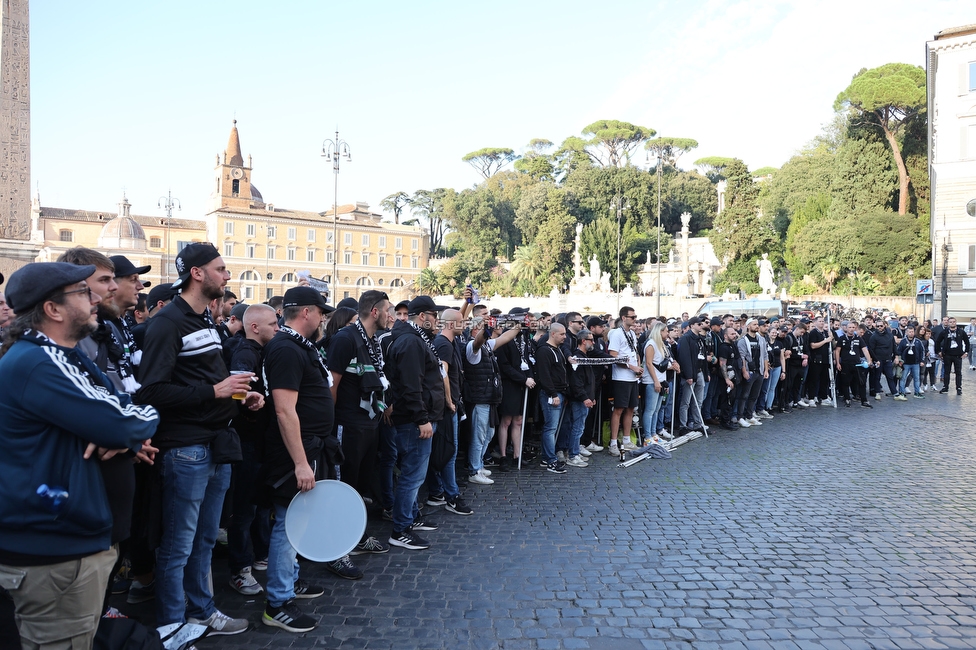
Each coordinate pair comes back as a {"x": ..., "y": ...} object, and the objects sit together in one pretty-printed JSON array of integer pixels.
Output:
[{"x": 326, "y": 522}]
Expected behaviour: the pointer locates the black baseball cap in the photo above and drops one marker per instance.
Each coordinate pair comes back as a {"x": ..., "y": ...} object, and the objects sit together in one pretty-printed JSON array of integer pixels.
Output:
[
  {"x": 593, "y": 321},
  {"x": 38, "y": 281},
  {"x": 421, "y": 304},
  {"x": 305, "y": 296},
  {"x": 124, "y": 268},
  {"x": 403, "y": 304},
  {"x": 164, "y": 292},
  {"x": 715, "y": 321},
  {"x": 238, "y": 310},
  {"x": 193, "y": 255},
  {"x": 350, "y": 302}
]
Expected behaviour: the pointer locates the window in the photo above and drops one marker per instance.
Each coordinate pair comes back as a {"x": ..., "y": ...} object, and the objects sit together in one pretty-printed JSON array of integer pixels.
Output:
[
  {"x": 382, "y": 241},
  {"x": 249, "y": 276},
  {"x": 235, "y": 189},
  {"x": 329, "y": 256},
  {"x": 348, "y": 238},
  {"x": 396, "y": 282},
  {"x": 155, "y": 242},
  {"x": 972, "y": 258},
  {"x": 365, "y": 259},
  {"x": 180, "y": 245},
  {"x": 288, "y": 278},
  {"x": 247, "y": 291},
  {"x": 272, "y": 232},
  {"x": 382, "y": 259},
  {"x": 347, "y": 258},
  {"x": 345, "y": 294},
  {"x": 311, "y": 234},
  {"x": 971, "y": 208},
  {"x": 380, "y": 282},
  {"x": 330, "y": 236},
  {"x": 398, "y": 242},
  {"x": 365, "y": 240},
  {"x": 364, "y": 281},
  {"x": 250, "y": 250},
  {"x": 229, "y": 249},
  {"x": 414, "y": 262},
  {"x": 251, "y": 229},
  {"x": 415, "y": 244},
  {"x": 398, "y": 261},
  {"x": 310, "y": 255},
  {"x": 268, "y": 293},
  {"x": 292, "y": 234},
  {"x": 66, "y": 235},
  {"x": 271, "y": 252},
  {"x": 972, "y": 76},
  {"x": 291, "y": 253},
  {"x": 228, "y": 227}
]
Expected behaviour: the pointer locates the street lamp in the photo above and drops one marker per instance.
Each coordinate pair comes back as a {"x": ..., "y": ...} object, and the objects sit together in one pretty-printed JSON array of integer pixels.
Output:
[
  {"x": 168, "y": 203},
  {"x": 946, "y": 247},
  {"x": 335, "y": 149},
  {"x": 620, "y": 202},
  {"x": 850, "y": 278}
]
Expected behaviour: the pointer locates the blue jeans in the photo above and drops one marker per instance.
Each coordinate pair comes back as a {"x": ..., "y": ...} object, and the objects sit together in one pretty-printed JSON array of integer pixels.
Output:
[
  {"x": 664, "y": 407},
  {"x": 414, "y": 454},
  {"x": 250, "y": 527},
  {"x": 282, "y": 562},
  {"x": 481, "y": 435},
  {"x": 445, "y": 481},
  {"x": 652, "y": 404},
  {"x": 774, "y": 375},
  {"x": 910, "y": 370},
  {"x": 193, "y": 495},
  {"x": 387, "y": 460},
  {"x": 551, "y": 415},
  {"x": 577, "y": 419}
]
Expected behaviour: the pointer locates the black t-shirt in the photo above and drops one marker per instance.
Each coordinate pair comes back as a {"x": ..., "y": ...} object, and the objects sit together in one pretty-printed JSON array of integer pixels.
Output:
[
  {"x": 910, "y": 357},
  {"x": 447, "y": 352},
  {"x": 730, "y": 352},
  {"x": 251, "y": 425},
  {"x": 753, "y": 352},
  {"x": 287, "y": 365},
  {"x": 821, "y": 354},
  {"x": 775, "y": 349},
  {"x": 343, "y": 359},
  {"x": 851, "y": 350}
]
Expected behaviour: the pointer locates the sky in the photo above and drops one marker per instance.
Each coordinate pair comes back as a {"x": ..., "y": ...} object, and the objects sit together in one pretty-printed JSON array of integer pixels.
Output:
[{"x": 140, "y": 96}]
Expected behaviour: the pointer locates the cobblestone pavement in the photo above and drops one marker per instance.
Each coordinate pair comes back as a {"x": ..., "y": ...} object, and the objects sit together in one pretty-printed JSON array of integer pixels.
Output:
[{"x": 831, "y": 528}]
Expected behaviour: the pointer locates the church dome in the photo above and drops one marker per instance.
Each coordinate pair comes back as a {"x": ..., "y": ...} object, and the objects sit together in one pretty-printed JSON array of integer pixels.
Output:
[
  {"x": 122, "y": 233},
  {"x": 256, "y": 194}
]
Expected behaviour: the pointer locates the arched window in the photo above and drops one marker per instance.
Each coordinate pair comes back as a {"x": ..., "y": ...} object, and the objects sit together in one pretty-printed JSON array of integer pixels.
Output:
[
  {"x": 289, "y": 278},
  {"x": 249, "y": 276},
  {"x": 364, "y": 281},
  {"x": 396, "y": 282}
]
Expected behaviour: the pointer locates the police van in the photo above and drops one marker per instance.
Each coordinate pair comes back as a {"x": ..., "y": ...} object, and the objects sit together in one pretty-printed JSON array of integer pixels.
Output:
[{"x": 756, "y": 307}]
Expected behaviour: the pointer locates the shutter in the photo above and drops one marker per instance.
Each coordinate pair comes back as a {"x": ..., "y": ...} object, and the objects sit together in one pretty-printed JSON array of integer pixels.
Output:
[{"x": 962, "y": 253}]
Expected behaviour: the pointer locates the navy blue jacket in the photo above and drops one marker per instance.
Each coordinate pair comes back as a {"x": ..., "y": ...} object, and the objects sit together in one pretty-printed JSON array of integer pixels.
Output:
[{"x": 53, "y": 402}]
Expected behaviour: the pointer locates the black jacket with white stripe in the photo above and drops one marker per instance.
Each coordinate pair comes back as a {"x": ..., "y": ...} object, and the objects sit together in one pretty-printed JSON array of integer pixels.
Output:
[{"x": 182, "y": 360}]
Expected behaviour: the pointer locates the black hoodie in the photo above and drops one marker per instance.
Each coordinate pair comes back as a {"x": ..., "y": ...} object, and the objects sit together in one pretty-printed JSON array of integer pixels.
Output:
[{"x": 416, "y": 383}]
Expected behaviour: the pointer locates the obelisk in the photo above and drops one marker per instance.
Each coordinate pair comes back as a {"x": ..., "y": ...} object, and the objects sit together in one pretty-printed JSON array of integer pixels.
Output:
[{"x": 16, "y": 246}]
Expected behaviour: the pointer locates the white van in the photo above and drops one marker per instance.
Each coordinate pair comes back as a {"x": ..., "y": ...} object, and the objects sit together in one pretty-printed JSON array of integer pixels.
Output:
[{"x": 755, "y": 307}]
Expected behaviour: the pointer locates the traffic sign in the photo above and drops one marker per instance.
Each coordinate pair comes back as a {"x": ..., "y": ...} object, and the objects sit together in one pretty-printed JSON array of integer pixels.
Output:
[
  {"x": 924, "y": 299},
  {"x": 924, "y": 287}
]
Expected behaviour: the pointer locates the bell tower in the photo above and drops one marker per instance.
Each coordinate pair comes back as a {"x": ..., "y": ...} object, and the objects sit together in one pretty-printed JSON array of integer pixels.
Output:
[{"x": 232, "y": 179}]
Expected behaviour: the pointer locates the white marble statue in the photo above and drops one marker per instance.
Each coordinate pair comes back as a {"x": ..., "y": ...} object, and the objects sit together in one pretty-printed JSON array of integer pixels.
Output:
[
  {"x": 594, "y": 269},
  {"x": 766, "y": 275},
  {"x": 605, "y": 282}
]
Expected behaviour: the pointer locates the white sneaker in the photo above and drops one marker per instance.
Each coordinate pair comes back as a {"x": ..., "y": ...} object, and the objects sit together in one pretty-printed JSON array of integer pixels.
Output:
[
  {"x": 628, "y": 445},
  {"x": 764, "y": 415},
  {"x": 802, "y": 404},
  {"x": 613, "y": 449},
  {"x": 754, "y": 421},
  {"x": 561, "y": 455},
  {"x": 576, "y": 461},
  {"x": 221, "y": 624},
  {"x": 484, "y": 472},
  {"x": 584, "y": 452},
  {"x": 480, "y": 479},
  {"x": 879, "y": 397},
  {"x": 665, "y": 434},
  {"x": 826, "y": 402},
  {"x": 593, "y": 447},
  {"x": 745, "y": 424}
]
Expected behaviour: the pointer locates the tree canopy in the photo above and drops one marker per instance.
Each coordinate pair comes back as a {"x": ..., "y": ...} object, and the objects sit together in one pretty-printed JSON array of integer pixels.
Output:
[{"x": 489, "y": 160}]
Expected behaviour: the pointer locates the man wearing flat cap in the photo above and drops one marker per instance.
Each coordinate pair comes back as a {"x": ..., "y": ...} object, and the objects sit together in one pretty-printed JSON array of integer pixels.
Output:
[
  {"x": 56, "y": 409},
  {"x": 184, "y": 376}
]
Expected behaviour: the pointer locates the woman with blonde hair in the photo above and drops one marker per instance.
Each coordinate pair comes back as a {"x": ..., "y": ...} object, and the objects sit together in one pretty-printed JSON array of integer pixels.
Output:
[{"x": 656, "y": 363}]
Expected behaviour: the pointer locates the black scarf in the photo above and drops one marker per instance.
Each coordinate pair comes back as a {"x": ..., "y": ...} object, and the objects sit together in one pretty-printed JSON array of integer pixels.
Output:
[
  {"x": 313, "y": 351},
  {"x": 118, "y": 354},
  {"x": 372, "y": 380}
]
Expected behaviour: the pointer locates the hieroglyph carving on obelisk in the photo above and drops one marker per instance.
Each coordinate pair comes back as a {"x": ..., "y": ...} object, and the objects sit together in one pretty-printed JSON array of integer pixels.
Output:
[{"x": 15, "y": 197}]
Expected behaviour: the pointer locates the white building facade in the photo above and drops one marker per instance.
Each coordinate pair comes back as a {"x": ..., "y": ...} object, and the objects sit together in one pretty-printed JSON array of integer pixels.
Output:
[{"x": 951, "y": 79}]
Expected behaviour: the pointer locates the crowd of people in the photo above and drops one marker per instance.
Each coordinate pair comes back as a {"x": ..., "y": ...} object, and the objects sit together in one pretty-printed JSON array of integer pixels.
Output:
[{"x": 140, "y": 427}]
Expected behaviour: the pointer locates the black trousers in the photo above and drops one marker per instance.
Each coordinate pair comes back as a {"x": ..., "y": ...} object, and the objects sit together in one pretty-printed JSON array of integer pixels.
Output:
[
  {"x": 851, "y": 383},
  {"x": 726, "y": 401},
  {"x": 817, "y": 377},
  {"x": 950, "y": 364}
]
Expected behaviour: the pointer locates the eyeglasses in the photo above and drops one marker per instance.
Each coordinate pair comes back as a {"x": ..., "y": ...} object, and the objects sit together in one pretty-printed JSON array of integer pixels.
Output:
[
  {"x": 577, "y": 322},
  {"x": 85, "y": 290}
]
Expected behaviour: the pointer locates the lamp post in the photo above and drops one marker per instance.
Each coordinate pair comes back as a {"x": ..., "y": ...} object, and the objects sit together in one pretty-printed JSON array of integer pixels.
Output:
[
  {"x": 660, "y": 162},
  {"x": 945, "y": 248},
  {"x": 335, "y": 149},
  {"x": 850, "y": 277},
  {"x": 620, "y": 202},
  {"x": 168, "y": 203}
]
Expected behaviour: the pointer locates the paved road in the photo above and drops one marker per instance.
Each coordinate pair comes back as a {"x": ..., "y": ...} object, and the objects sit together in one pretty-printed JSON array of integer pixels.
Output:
[{"x": 834, "y": 528}]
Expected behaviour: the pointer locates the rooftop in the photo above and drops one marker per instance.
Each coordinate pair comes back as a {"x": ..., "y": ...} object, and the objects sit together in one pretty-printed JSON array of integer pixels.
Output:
[{"x": 70, "y": 214}]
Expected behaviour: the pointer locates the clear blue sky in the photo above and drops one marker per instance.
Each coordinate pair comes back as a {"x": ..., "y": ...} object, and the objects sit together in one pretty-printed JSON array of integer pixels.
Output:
[{"x": 141, "y": 95}]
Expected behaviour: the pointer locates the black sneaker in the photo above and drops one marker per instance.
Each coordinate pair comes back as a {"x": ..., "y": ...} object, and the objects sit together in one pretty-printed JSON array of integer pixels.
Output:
[
  {"x": 288, "y": 617},
  {"x": 436, "y": 499},
  {"x": 867, "y": 405},
  {"x": 944, "y": 391},
  {"x": 458, "y": 507},
  {"x": 490, "y": 462},
  {"x": 407, "y": 539},
  {"x": 344, "y": 568},
  {"x": 423, "y": 524},
  {"x": 556, "y": 467},
  {"x": 505, "y": 464},
  {"x": 388, "y": 514},
  {"x": 369, "y": 545},
  {"x": 305, "y": 590},
  {"x": 958, "y": 391}
]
